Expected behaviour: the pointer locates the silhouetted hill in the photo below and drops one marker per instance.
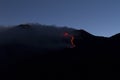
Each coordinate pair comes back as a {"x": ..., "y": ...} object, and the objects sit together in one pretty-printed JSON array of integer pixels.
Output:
[
  {"x": 115, "y": 37},
  {"x": 40, "y": 51},
  {"x": 82, "y": 33}
]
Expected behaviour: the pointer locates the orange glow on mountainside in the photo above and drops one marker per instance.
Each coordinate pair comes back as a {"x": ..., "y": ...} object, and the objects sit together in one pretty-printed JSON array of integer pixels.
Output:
[{"x": 71, "y": 40}]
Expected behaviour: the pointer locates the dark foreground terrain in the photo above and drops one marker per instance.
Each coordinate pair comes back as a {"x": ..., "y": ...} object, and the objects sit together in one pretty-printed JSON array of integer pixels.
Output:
[{"x": 93, "y": 57}]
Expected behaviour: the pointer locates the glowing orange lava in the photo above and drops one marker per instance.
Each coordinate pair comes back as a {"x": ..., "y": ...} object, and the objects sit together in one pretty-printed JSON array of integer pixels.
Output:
[
  {"x": 72, "y": 39},
  {"x": 66, "y": 34}
]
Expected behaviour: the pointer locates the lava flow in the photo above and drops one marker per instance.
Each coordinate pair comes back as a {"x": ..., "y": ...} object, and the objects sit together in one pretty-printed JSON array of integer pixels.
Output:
[{"x": 71, "y": 40}]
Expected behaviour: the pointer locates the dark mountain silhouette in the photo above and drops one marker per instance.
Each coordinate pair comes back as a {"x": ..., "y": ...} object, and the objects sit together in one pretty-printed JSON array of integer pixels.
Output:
[
  {"x": 82, "y": 33},
  {"x": 42, "y": 52},
  {"x": 116, "y": 37}
]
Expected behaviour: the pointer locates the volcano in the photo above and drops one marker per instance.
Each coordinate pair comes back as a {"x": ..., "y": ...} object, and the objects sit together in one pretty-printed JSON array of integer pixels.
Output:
[{"x": 41, "y": 52}]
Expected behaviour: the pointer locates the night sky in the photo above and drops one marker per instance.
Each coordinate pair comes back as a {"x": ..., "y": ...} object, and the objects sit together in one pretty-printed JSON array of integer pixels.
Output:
[{"x": 99, "y": 17}]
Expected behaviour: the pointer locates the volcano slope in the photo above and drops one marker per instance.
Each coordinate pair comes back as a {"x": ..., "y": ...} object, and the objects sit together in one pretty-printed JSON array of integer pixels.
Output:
[{"x": 92, "y": 55}]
